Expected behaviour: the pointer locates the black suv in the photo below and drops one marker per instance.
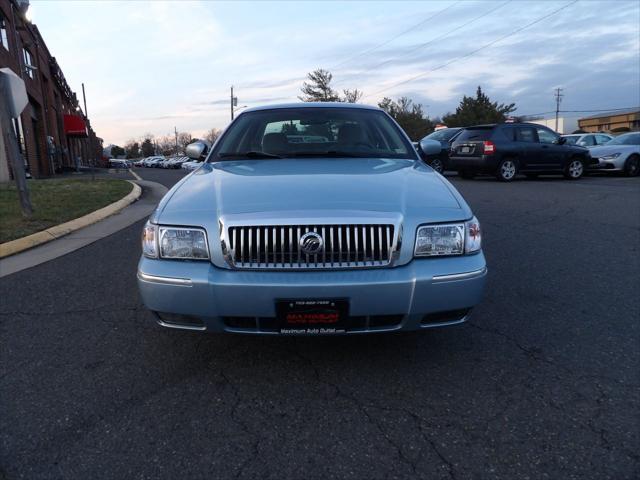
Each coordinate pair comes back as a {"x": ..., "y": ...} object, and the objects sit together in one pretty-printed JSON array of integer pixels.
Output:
[{"x": 507, "y": 149}]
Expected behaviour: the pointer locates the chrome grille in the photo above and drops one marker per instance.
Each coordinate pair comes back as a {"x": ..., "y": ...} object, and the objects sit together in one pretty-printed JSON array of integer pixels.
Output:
[{"x": 277, "y": 246}]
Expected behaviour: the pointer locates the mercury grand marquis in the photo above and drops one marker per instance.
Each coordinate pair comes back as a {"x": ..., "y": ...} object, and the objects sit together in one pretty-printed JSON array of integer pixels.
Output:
[{"x": 312, "y": 219}]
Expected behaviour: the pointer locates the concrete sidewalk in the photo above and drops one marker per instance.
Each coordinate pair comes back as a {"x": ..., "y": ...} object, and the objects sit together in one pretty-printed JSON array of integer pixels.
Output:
[{"x": 151, "y": 194}]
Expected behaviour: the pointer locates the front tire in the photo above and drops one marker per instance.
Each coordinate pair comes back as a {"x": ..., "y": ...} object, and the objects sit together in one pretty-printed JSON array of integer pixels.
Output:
[
  {"x": 507, "y": 170},
  {"x": 574, "y": 169},
  {"x": 437, "y": 165},
  {"x": 632, "y": 166}
]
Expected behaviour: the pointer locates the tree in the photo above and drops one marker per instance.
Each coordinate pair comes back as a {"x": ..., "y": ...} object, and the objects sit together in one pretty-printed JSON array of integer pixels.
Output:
[
  {"x": 147, "y": 147},
  {"x": 184, "y": 139},
  {"x": 478, "y": 110},
  {"x": 166, "y": 145},
  {"x": 319, "y": 89},
  {"x": 212, "y": 135},
  {"x": 132, "y": 148},
  {"x": 351, "y": 96},
  {"x": 117, "y": 151},
  {"x": 409, "y": 116}
]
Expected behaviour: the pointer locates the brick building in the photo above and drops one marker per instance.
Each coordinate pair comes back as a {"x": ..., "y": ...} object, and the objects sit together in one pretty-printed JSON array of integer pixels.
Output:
[
  {"x": 618, "y": 121},
  {"x": 53, "y": 132}
]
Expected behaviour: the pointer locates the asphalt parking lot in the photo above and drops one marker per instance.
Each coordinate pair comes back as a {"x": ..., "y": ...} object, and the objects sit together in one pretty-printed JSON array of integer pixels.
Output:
[{"x": 543, "y": 382}]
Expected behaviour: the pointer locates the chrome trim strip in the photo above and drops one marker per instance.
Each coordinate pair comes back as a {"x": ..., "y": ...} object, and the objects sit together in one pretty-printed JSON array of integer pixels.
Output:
[
  {"x": 446, "y": 324},
  {"x": 180, "y": 326},
  {"x": 179, "y": 282},
  {"x": 460, "y": 276}
]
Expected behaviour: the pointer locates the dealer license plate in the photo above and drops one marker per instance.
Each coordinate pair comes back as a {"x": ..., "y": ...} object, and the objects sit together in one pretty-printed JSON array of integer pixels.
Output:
[{"x": 312, "y": 317}]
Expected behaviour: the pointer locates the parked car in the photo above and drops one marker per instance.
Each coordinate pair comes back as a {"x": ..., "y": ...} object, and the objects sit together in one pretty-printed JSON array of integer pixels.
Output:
[
  {"x": 119, "y": 163},
  {"x": 147, "y": 161},
  {"x": 138, "y": 163},
  {"x": 507, "y": 149},
  {"x": 177, "y": 162},
  {"x": 622, "y": 154},
  {"x": 587, "y": 139},
  {"x": 445, "y": 136},
  {"x": 345, "y": 236},
  {"x": 191, "y": 165},
  {"x": 153, "y": 162}
]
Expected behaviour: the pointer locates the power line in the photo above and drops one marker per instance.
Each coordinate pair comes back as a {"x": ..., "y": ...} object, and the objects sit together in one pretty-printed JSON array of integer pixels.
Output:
[
  {"x": 499, "y": 39},
  {"x": 369, "y": 50},
  {"x": 440, "y": 37}
]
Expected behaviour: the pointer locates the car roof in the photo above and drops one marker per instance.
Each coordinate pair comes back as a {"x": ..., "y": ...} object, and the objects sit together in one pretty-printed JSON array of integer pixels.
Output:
[
  {"x": 311, "y": 105},
  {"x": 493, "y": 125}
]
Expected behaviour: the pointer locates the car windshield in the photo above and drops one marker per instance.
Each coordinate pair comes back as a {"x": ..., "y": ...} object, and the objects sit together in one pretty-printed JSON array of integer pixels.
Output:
[
  {"x": 443, "y": 135},
  {"x": 626, "y": 139},
  {"x": 313, "y": 132},
  {"x": 571, "y": 139}
]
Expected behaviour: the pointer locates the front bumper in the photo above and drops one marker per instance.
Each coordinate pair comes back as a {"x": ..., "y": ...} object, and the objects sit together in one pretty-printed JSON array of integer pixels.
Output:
[
  {"x": 613, "y": 165},
  {"x": 425, "y": 293}
]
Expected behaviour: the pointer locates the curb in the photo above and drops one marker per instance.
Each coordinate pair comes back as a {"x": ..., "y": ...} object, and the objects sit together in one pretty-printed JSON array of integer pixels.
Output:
[{"x": 20, "y": 244}]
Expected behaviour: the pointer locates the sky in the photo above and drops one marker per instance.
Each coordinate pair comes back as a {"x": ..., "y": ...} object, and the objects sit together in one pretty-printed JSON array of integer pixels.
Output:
[{"x": 150, "y": 67}]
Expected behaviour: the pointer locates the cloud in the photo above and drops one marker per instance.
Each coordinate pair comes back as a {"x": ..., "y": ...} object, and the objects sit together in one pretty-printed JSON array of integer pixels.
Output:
[{"x": 150, "y": 66}]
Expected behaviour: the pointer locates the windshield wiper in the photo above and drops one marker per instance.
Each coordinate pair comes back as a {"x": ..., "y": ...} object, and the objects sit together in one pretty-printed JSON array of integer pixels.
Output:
[{"x": 251, "y": 154}]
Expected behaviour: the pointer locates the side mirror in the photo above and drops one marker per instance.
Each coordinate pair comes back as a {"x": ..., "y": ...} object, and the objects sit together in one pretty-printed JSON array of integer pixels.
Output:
[
  {"x": 429, "y": 147},
  {"x": 562, "y": 140},
  {"x": 197, "y": 150}
]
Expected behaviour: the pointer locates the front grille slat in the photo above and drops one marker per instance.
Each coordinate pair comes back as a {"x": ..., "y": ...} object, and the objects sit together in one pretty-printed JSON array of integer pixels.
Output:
[{"x": 344, "y": 246}]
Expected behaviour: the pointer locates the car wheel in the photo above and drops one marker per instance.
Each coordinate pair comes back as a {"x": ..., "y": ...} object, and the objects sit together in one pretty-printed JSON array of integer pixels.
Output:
[
  {"x": 437, "y": 165},
  {"x": 468, "y": 174},
  {"x": 507, "y": 170},
  {"x": 574, "y": 169},
  {"x": 632, "y": 166}
]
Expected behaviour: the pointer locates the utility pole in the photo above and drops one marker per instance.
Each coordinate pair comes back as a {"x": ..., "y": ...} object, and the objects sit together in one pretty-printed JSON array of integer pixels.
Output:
[
  {"x": 234, "y": 102},
  {"x": 558, "y": 95},
  {"x": 175, "y": 129}
]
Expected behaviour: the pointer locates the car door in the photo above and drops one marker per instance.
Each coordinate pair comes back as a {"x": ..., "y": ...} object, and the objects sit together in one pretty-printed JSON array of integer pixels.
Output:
[
  {"x": 587, "y": 141},
  {"x": 602, "y": 139},
  {"x": 551, "y": 153},
  {"x": 529, "y": 152}
]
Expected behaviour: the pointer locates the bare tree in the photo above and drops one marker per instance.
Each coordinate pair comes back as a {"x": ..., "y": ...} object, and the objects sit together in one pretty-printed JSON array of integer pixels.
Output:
[
  {"x": 351, "y": 96},
  {"x": 212, "y": 135},
  {"x": 166, "y": 144},
  {"x": 184, "y": 139}
]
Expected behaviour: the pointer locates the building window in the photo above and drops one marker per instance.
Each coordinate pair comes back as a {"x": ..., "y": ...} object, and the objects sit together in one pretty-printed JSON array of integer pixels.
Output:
[
  {"x": 4, "y": 39},
  {"x": 28, "y": 62}
]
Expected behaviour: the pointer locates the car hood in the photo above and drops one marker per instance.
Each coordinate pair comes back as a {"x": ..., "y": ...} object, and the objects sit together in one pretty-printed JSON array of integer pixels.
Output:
[
  {"x": 603, "y": 150},
  {"x": 312, "y": 187}
]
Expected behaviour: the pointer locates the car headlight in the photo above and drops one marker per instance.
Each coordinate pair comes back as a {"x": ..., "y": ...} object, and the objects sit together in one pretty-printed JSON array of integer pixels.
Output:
[
  {"x": 174, "y": 242},
  {"x": 610, "y": 156},
  {"x": 448, "y": 239}
]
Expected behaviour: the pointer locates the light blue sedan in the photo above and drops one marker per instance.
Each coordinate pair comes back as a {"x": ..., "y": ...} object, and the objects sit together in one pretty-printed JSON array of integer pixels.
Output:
[
  {"x": 312, "y": 219},
  {"x": 622, "y": 154}
]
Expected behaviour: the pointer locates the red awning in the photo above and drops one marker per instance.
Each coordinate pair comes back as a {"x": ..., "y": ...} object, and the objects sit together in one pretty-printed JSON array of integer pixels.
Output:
[{"x": 74, "y": 125}]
